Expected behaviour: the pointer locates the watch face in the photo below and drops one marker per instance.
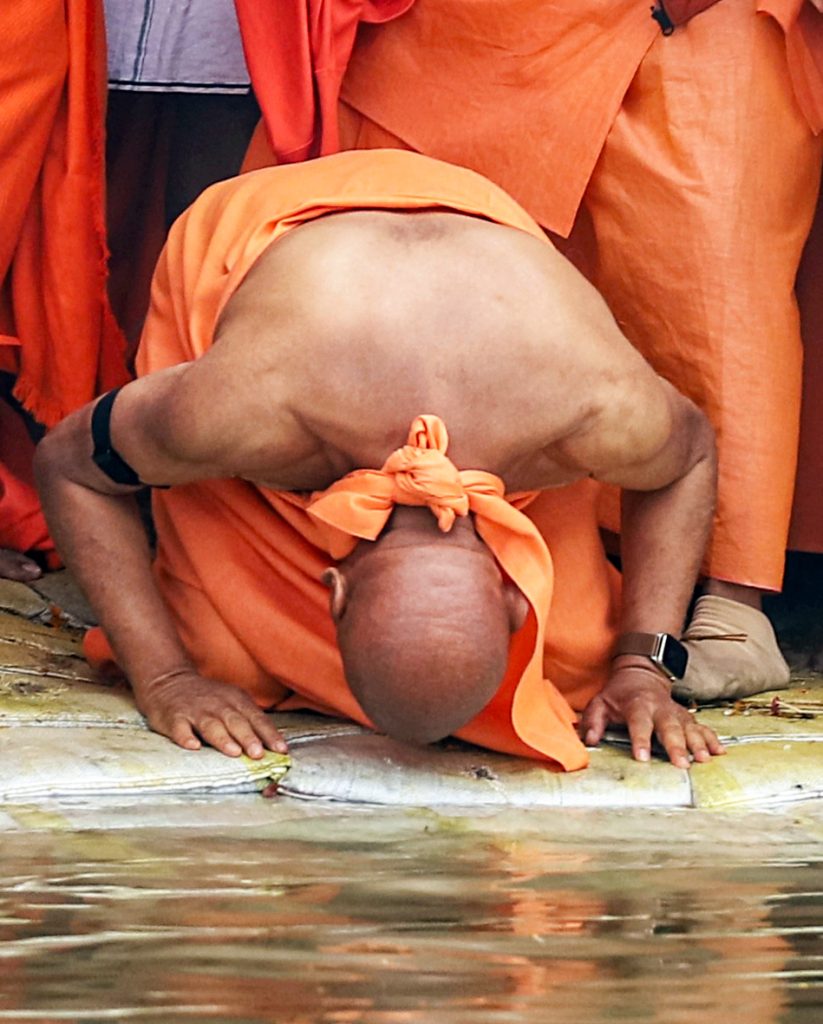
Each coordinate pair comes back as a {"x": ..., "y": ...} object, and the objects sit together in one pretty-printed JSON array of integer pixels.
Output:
[{"x": 674, "y": 657}]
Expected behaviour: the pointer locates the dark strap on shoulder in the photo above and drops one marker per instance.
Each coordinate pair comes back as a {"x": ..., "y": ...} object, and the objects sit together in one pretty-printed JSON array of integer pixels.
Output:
[{"x": 104, "y": 455}]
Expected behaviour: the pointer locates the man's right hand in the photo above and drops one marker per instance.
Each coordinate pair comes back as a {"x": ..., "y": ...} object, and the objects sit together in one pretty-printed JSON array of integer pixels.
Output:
[
  {"x": 191, "y": 710},
  {"x": 638, "y": 697}
]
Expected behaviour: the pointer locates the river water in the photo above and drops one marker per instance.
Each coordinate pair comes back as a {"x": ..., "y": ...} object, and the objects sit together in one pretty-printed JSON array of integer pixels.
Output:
[{"x": 276, "y": 911}]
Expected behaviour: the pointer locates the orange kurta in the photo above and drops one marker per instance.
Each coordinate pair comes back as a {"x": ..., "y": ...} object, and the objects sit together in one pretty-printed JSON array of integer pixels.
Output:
[
  {"x": 685, "y": 168},
  {"x": 57, "y": 335},
  {"x": 240, "y": 565}
]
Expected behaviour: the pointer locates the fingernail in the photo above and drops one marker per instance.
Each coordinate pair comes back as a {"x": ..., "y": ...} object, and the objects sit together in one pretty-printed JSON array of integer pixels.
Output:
[
  {"x": 255, "y": 750},
  {"x": 232, "y": 749},
  {"x": 643, "y": 754},
  {"x": 192, "y": 745}
]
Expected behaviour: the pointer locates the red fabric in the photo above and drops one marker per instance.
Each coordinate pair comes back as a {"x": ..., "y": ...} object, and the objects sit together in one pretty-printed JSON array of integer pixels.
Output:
[{"x": 297, "y": 52}]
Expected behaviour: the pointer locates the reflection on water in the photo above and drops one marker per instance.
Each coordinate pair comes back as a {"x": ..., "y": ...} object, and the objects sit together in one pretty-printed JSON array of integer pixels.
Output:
[{"x": 359, "y": 917}]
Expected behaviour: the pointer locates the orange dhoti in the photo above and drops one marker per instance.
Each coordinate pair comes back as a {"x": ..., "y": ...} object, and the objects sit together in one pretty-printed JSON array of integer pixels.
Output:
[
  {"x": 57, "y": 336},
  {"x": 682, "y": 167},
  {"x": 240, "y": 565}
]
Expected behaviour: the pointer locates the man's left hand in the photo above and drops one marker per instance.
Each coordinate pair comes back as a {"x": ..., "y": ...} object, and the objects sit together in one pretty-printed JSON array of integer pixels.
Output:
[{"x": 639, "y": 698}]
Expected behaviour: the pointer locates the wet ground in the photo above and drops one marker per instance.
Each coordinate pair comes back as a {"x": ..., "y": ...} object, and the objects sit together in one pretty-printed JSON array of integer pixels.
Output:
[{"x": 241, "y": 909}]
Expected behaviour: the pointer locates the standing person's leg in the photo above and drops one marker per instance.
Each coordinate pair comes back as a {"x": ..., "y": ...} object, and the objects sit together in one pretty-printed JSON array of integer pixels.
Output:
[
  {"x": 210, "y": 136},
  {"x": 701, "y": 203},
  {"x": 30, "y": 91}
]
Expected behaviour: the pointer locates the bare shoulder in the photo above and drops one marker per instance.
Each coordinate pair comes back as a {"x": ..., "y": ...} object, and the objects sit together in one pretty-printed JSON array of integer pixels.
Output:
[
  {"x": 225, "y": 414},
  {"x": 160, "y": 426},
  {"x": 173, "y": 426},
  {"x": 642, "y": 434},
  {"x": 141, "y": 430}
]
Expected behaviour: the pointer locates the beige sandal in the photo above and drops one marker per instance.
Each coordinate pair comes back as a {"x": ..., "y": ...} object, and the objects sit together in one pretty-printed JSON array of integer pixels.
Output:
[{"x": 733, "y": 653}]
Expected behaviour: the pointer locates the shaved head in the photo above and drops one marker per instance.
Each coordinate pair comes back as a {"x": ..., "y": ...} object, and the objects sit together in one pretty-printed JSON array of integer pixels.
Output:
[{"x": 424, "y": 620}]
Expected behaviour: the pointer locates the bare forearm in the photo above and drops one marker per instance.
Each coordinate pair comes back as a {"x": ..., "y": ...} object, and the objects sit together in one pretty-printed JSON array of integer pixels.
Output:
[
  {"x": 664, "y": 537},
  {"x": 96, "y": 525},
  {"x": 102, "y": 540}
]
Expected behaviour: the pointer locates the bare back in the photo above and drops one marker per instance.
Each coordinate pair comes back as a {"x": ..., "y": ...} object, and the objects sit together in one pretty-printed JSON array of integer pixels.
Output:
[{"x": 352, "y": 325}]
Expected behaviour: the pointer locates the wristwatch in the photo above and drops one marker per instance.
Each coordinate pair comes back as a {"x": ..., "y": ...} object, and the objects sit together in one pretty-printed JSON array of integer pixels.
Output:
[{"x": 662, "y": 649}]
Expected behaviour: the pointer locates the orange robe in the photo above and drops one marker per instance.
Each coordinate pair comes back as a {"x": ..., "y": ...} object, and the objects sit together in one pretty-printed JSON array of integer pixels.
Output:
[
  {"x": 684, "y": 169},
  {"x": 297, "y": 53},
  {"x": 240, "y": 565},
  {"x": 57, "y": 335}
]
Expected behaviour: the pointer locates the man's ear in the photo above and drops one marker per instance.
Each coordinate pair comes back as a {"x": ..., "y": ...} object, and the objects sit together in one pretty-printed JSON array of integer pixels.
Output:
[
  {"x": 517, "y": 607},
  {"x": 338, "y": 592}
]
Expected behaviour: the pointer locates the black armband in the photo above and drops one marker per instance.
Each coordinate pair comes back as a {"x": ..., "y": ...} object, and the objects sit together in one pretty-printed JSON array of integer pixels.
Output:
[{"x": 105, "y": 456}]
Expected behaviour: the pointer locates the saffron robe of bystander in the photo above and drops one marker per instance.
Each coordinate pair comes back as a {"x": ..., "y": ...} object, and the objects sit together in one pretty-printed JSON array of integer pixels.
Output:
[{"x": 57, "y": 335}]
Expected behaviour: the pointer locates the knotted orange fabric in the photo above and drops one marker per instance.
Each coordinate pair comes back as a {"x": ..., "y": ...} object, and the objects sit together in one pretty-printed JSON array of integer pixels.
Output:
[
  {"x": 419, "y": 473},
  {"x": 240, "y": 565}
]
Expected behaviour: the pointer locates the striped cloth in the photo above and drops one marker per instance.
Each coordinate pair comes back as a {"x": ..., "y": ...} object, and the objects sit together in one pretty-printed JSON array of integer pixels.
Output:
[{"x": 175, "y": 46}]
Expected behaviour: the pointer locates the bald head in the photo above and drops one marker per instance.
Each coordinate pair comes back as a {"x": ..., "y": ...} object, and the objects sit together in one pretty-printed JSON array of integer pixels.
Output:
[{"x": 424, "y": 621}]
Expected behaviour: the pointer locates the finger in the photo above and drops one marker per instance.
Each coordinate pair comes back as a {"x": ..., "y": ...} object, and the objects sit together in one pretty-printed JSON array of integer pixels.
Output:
[
  {"x": 270, "y": 736},
  {"x": 594, "y": 722},
  {"x": 254, "y": 735},
  {"x": 640, "y": 725},
  {"x": 262, "y": 726},
  {"x": 712, "y": 741},
  {"x": 673, "y": 738},
  {"x": 181, "y": 733},
  {"x": 215, "y": 733},
  {"x": 240, "y": 729},
  {"x": 696, "y": 741}
]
